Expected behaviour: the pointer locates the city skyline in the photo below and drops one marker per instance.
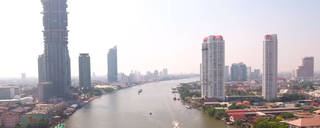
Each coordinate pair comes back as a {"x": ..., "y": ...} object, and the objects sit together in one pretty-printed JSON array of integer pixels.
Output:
[{"x": 179, "y": 39}]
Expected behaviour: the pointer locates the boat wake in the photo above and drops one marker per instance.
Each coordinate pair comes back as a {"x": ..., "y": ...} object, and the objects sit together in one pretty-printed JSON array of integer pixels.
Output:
[{"x": 175, "y": 124}]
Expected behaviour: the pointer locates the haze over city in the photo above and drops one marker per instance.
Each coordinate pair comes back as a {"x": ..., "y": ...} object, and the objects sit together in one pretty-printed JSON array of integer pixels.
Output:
[{"x": 162, "y": 34}]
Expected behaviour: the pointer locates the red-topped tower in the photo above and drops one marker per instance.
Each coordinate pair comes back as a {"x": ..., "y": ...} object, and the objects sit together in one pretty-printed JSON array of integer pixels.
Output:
[{"x": 212, "y": 67}]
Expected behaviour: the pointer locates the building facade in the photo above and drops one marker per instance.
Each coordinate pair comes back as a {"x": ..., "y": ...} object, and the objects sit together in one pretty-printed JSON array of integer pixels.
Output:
[
  {"x": 305, "y": 72},
  {"x": 270, "y": 67},
  {"x": 84, "y": 71},
  {"x": 112, "y": 65},
  {"x": 213, "y": 67},
  {"x": 9, "y": 92},
  {"x": 239, "y": 72},
  {"x": 54, "y": 63}
]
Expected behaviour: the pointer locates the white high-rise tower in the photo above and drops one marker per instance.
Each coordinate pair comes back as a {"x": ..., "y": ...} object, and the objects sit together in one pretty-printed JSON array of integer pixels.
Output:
[
  {"x": 212, "y": 67},
  {"x": 270, "y": 67}
]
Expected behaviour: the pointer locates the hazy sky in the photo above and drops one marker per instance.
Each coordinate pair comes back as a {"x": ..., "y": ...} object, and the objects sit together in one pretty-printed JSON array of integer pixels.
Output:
[{"x": 153, "y": 34}]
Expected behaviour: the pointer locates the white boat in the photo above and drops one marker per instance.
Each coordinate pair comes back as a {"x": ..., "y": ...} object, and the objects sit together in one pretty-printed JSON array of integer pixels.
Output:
[{"x": 175, "y": 124}]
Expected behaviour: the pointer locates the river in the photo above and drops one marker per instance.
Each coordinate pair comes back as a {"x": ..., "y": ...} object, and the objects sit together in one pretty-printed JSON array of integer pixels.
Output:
[{"x": 126, "y": 109}]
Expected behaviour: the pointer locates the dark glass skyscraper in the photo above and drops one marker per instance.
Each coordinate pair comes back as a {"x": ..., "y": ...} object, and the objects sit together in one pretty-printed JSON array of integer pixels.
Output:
[
  {"x": 239, "y": 72},
  {"x": 84, "y": 71},
  {"x": 54, "y": 63},
  {"x": 113, "y": 65}
]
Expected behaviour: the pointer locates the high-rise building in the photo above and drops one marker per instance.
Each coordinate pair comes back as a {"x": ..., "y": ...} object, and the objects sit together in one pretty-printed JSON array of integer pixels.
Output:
[
  {"x": 248, "y": 73},
  {"x": 306, "y": 70},
  {"x": 226, "y": 73},
  {"x": 54, "y": 63},
  {"x": 113, "y": 65},
  {"x": 212, "y": 67},
  {"x": 84, "y": 71},
  {"x": 23, "y": 76},
  {"x": 239, "y": 72},
  {"x": 270, "y": 67},
  {"x": 255, "y": 75}
]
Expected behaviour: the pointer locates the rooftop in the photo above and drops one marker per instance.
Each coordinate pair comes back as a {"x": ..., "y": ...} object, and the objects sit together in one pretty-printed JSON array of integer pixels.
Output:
[{"x": 305, "y": 122}]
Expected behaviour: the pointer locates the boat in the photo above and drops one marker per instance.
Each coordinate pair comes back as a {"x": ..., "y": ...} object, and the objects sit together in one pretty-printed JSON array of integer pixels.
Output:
[
  {"x": 140, "y": 90},
  {"x": 175, "y": 124},
  {"x": 188, "y": 107}
]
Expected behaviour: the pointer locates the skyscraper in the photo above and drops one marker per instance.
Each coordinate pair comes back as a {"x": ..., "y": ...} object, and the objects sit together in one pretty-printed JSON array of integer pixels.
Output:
[
  {"x": 226, "y": 73},
  {"x": 270, "y": 67},
  {"x": 239, "y": 72},
  {"x": 113, "y": 65},
  {"x": 306, "y": 70},
  {"x": 54, "y": 63},
  {"x": 212, "y": 67},
  {"x": 84, "y": 71}
]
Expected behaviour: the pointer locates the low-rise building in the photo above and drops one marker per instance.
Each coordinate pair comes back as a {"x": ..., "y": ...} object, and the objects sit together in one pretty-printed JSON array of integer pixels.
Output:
[
  {"x": 10, "y": 119},
  {"x": 305, "y": 123}
]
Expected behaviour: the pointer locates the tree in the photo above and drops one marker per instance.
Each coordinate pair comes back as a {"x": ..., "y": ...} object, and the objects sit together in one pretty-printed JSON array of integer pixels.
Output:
[
  {"x": 279, "y": 118},
  {"x": 297, "y": 105},
  {"x": 238, "y": 123},
  {"x": 234, "y": 106},
  {"x": 286, "y": 115},
  {"x": 219, "y": 114},
  {"x": 269, "y": 122}
]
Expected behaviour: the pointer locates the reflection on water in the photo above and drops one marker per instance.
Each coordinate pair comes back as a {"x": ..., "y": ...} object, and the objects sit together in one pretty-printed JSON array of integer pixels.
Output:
[{"x": 153, "y": 108}]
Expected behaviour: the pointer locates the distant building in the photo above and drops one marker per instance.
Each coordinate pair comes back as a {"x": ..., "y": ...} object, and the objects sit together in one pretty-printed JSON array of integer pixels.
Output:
[
  {"x": 9, "y": 92},
  {"x": 213, "y": 67},
  {"x": 248, "y": 73},
  {"x": 306, "y": 70},
  {"x": 54, "y": 63},
  {"x": 165, "y": 72},
  {"x": 156, "y": 75},
  {"x": 226, "y": 73},
  {"x": 23, "y": 76},
  {"x": 112, "y": 65},
  {"x": 239, "y": 72},
  {"x": 256, "y": 74},
  {"x": 270, "y": 67},
  {"x": 84, "y": 71}
]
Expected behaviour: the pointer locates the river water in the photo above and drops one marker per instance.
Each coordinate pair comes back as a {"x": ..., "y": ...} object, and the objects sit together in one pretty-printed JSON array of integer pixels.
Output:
[{"x": 127, "y": 109}]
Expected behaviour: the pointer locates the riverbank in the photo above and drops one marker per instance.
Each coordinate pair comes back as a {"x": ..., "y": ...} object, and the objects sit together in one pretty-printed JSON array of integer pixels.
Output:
[{"x": 191, "y": 94}]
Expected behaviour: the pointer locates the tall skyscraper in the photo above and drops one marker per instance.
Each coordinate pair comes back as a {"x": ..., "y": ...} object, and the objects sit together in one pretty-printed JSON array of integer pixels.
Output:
[
  {"x": 306, "y": 70},
  {"x": 113, "y": 65},
  {"x": 270, "y": 67},
  {"x": 239, "y": 72},
  {"x": 84, "y": 71},
  {"x": 212, "y": 67},
  {"x": 54, "y": 63}
]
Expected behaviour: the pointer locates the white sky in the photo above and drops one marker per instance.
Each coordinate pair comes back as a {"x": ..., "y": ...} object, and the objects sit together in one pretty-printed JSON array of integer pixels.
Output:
[{"x": 154, "y": 34}]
